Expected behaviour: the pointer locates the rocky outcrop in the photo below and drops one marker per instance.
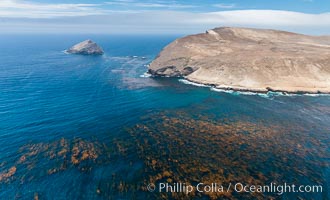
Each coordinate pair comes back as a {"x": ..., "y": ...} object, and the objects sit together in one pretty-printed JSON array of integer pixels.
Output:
[
  {"x": 249, "y": 59},
  {"x": 87, "y": 47}
]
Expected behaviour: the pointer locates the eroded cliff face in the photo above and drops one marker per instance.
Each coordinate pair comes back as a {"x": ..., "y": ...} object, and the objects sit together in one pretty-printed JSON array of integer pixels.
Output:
[{"x": 249, "y": 59}]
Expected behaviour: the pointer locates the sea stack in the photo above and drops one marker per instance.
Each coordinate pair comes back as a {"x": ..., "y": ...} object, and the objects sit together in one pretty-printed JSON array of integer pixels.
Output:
[
  {"x": 87, "y": 47},
  {"x": 248, "y": 59}
]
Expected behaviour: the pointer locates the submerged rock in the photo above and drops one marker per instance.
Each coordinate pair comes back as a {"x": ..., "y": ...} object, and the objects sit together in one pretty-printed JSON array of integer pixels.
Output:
[
  {"x": 250, "y": 60},
  {"x": 87, "y": 47}
]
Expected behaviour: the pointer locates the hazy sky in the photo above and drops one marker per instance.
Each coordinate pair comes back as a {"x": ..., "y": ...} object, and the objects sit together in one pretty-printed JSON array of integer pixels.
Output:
[{"x": 161, "y": 17}]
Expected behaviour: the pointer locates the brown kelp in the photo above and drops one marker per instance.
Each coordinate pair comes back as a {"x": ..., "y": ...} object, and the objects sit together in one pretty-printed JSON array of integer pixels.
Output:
[{"x": 180, "y": 148}]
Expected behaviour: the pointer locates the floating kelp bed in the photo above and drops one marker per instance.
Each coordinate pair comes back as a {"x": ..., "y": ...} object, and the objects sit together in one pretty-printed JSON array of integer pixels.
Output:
[
  {"x": 75, "y": 157},
  {"x": 57, "y": 156},
  {"x": 178, "y": 148}
]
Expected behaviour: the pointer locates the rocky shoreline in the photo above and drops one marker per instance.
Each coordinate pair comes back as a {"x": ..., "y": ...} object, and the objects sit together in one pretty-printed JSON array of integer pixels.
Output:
[
  {"x": 237, "y": 89},
  {"x": 261, "y": 91}
]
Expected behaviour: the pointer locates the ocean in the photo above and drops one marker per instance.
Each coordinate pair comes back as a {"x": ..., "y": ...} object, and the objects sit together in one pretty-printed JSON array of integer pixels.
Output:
[{"x": 95, "y": 127}]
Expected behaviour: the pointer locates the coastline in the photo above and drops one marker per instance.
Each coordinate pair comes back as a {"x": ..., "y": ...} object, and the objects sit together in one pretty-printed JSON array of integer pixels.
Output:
[{"x": 247, "y": 91}]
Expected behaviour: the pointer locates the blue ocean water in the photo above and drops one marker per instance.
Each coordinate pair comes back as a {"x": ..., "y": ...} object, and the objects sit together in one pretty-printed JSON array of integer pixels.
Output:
[{"x": 47, "y": 95}]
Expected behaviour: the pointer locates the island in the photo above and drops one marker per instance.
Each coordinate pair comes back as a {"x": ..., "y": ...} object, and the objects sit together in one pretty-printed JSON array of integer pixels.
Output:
[
  {"x": 246, "y": 59},
  {"x": 87, "y": 47}
]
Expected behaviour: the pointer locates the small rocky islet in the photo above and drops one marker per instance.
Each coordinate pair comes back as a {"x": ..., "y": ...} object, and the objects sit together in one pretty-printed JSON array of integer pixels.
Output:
[{"x": 87, "y": 47}]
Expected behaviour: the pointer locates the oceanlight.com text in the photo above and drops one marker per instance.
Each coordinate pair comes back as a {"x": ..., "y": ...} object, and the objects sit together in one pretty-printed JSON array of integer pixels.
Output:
[{"x": 236, "y": 187}]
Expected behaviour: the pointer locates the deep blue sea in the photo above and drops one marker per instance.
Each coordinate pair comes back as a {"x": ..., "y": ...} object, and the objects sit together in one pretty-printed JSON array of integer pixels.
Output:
[{"x": 93, "y": 127}]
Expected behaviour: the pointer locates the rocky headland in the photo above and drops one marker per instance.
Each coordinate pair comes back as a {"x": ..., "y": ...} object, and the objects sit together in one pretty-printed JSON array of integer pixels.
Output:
[
  {"x": 248, "y": 59},
  {"x": 87, "y": 47}
]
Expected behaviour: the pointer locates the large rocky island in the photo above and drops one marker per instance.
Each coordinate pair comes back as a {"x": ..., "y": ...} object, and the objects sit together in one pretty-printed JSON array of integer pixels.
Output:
[
  {"x": 87, "y": 47},
  {"x": 250, "y": 60}
]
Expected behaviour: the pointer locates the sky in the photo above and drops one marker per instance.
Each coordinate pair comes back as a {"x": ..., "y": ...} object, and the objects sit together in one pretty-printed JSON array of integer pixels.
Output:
[{"x": 161, "y": 16}]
